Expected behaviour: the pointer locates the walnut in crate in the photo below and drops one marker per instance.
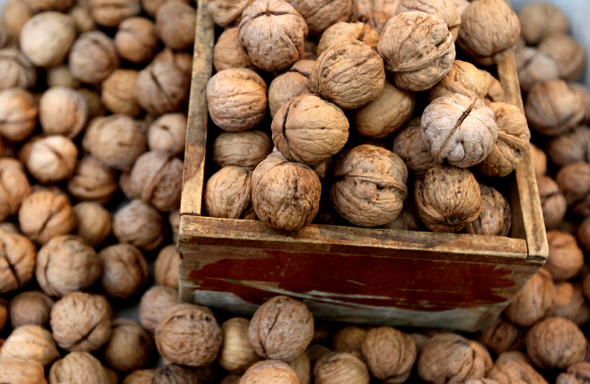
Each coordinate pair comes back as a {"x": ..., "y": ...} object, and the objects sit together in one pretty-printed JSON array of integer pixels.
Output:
[
  {"x": 535, "y": 301},
  {"x": 570, "y": 147},
  {"x": 125, "y": 270},
  {"x": 81, "y": 321},
  {"x": 555, "y": 343},
  {"x": 118, "y": 92},
  {"x": 461, "y": 130},
  {"x": 289, "y": 85},
  {"x": 153, "y": 304},
  {"x": 30, "y": 307},
  {"x": 570, "y": 303},
  {"x": 62, "y": 111},
  {"x": 339, "y": 367},
  {"x": 568, "y": 54},
  {"x": 413, "y": 150},
  {"x": 347, "y": 31},
  {"x": 574, "y": 181},
  {"x": 539, "y": 20},
  {"x": 228, "y": 193},
  {"x": 14, "y": 188},
  {"x": 81, "y": 367},
  {"x": 566, "y": 259},
  {"x": 417, "y": 70},
  {"x": 269, "y": 372},
  {"x": 18, "y": 113},
  {"x": 553, "y": 201},
  {"x": 228, "y": 52},
  {"x": 139, "y": 224},
  {"x": 44, "y": 215},
  {"x": 110, "y": 13},
  {"x": 448, "y": 198},
  {"x": 236, "y": 99},
  {"x": 30, "y": 342},
  {"x": 21, "y": 371},
  {"x": 136, "y": 39},
  {"x": 281, "y": 329},
  {"x": 236, "y": 354},
  {"x": 189, "y": 335},
  {"x": 534, "y": 67},
  {"x": 168, "y": 134},
  {"x": 166, "y": 267},
  {"x": 489, "y": 31},
  {"x": 383, "y": 116},
  {"x": 226, "y": 13},
  {"x": 46, "y": 38},
  {"x": 285, "y": 194},
  {"x": 450, "y": 358},
  {"x": 273, "y": 33},
  {"x": 350, "y": 74},
  {"x": 52, "y": 159},
  {"x": 495, "y": 218},
  {"x": 161, "y": 88},
  {"x": 175, "y": 24},
  {"x": 389, "y": 353},
  {"x": 92, "y": 181},
  {"x": 93, "y": 57},
  {"x": 241, "y": 149},
  {"x": 445, "y": 9},
  {"x": 463, "y": 78},
  {"x": 501, "y": 336},
  {"x": 18, "y": 261},
  {"x": 309, "y": 129},
  {"x": 129, "y": 346}
]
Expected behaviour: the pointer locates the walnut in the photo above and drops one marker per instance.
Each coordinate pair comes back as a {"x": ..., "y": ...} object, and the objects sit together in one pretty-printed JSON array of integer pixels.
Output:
[
  {"x": 166, "y": 267},
  {"x": 125, "y": 270},
  {"x": 448, "y": 198},
  {"x": 182, "y": 60},
  {"x": 30, "y": 342},
  {"x": 18, "y": 114},
  {"x": 151, "y": 6},
  {"x": 275, "y": 40},
  {"x": 570, "y": 147},
  {"x": 462, "y": 130},
  {"x": 319, "y": 16},
  {"x": 566, "y": 259},
  {"x": 553, "y": 201},
  {"x": 501, "y": 336},
  {"x": 21, "y": 372},
  {"x": 92, "y": 181},
  {"x": 285, "y": 195},
  {"x": 289, "y": 85},
  {"x": 535, "y": 301},
  {"x": 555, "y": 343},
  {"x": 570, "y": 303},
  {"x": 118, "y": 92},
  {"x": 414, "y": 151},
  {"x": 15, "y": 68},
  {"x": 236, "y": 99},
  {"x": 3, "y": 316},
  {"x": 168, "y": 134},
  {"x": 236, "y": 354},
  {"x": 339, "y": 367},
  {"x": 93, "y": 57},
  {"x": 120, "y": 154},
  {"x": 30, "y": 307},
  {"x": 375, "y": 19},
  {"x": 224, "y": 12},
  {"x": 495, "y": 91},
  {"x": 18, "y": 261},
  {"x": 128, "y": 348},
  {"x": 52, "y": 159},
  {"x": 445, "y": 9},
  {"x": 82, "y": 16},
  {"x": 407, "y": 220},
  {"x": 281, "y": 328},
  {"x": 189, "y": 335},
  {"x": 489, "y": 31},
  {"x": 228, "y": 52},
  {"x": 228, "y": 193},
  {"x": 66, "y": 264},
  {"x": 140, "y": 376},
  {"x": 574, "y": 181},
  {"x": 47, "y": 37},
  {"x": 569, "y": 55},
  {"x": 153, "y": 304},
  {"x": 495, "y": 218},
  {"x": 139, "y": 224},
  {"x": 242, "y": 149},
  {"x": 347, "y": 31},
  {"x": 136, "y": 39},
  {"x": 174, "y": 221},
  {"x": 583, "y": 235},
  {"x": 172, "y": 373},
  {"x": 110, "y": 13},
  {"x": 161, "y": 88},
  {"x": 534, "y": 67},
  {"x": 81, "y": 321},
  {"x": 350, "y": 74},
  {"x": 269, "y": 372},
  {"x": 389, "y": 353},
  {"x": 309, "y": 130},
  {"x": 576, "y": 374},
  {"x": 540, "y": 20},
  {"x": 14, "y": 15},
  {"x": 175, "y": 24},
  {"x": 14, "y": 188},
  {"x": 463, "y": 78},
  {"x": 349, "y": 339},
  {"x": 80, "y": 367},
  {"x": 44, "y": 215},
  {"x": 62, "y": 111},
  {"x": 450, "y": 358},
  {"x": 515, "y": 371},
  {"x": 584, "y": 93}
]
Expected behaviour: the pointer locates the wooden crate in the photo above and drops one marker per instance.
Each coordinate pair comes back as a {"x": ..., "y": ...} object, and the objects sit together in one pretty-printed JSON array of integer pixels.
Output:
[{"x": 358, "y": 275}]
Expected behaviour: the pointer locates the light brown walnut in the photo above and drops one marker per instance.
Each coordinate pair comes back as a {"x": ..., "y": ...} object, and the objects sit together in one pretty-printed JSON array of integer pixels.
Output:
[
  {"x": 553, "y": 201},
  {"x": 30, "y": 342},
  {"x": 140, "y": 376},
  {"x": 92, "y": 181},
  {"x": 320, "y": 15},
  {"x": 535, "y": 301},
  {"x": 52, "y": 159},
  {"x": 129, "y": 346},
  {"x": 172, "y": 373},
  {"x": 242, "y": 149},
  {"x": 14, "y": 188},
  {"x": 289, "y": 85},
  {"x": 574, "y": 181},
  {"x": 414, "y": 151},
  {"x": 228, "y": 193},
  {"x": 125, "y": 270},
  {"x": 21, "y": 371},
  {"x": 495, "y": 91},
  {"x": 445, "y": 9},
  {"x": 539, "y": 20},
  {"x": 389, "y": 7},
  {"x": 15, "y": 14},
  {"x": 349, "y": 339},
  {"x": 555, "y": 343},
  {"x": 584, "y": 92},
  {"x": 515, "y": 371},
  {"x": 302, "y": 367},
  {"x": 80, "y": 367},
  {"x": 153, "y": 304},
  {"x": 168, "y": 134},
  {"x": 30, "y": 307},
  {"x": 225, "y": 13},
  {"x": 18, "y": 113},
  {"x": 136, "y": 39},
  {"x": 340, "y": 367},
  {"x": 175, "y": 24},
  {"x": 46, "y": 38},
  {"x": 110, "y": 13},
  {"x": 228, "y": 52},
  {"x": 118, "y": 92},
  {"x": 93, "y": 57},
  {"x": 82, "y": 16},
  {"x": 343, "y": 30},
  {"x": 389, "y": 353},
  {"x": 569, "y": 55},
  {"x": 17, "y": 261},
  {"x": 236, "y": 354},
  {"x": 151, "y": 6},
  {"x": 161, "y": 88},
  {"x": 62, "y": 111},
  {"x": 269, "y": 372},
  {"x": 166, "y": 267},
  {"x": 44, "y": 215},
  {"x": 139, "y": 224}
]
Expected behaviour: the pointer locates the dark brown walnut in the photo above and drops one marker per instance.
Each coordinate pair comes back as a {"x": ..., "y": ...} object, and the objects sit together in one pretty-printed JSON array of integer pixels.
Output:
[
  {"x": 228, "y": 52},
  {"x": 535, "y": 301},
  {"x": 189, "y": 335},
  {"x": 95, "y": 106},
  {"x": 161, "y": 88},
  {"x": 289, "y": 85},
  {"x": 553, "y": 107},
  {"x": 80, "y": 367},
  {"x": 534, "y": 67},
  {"x": 156, "y": 178},
  {"x": 44, "y": 215},
  {"x": 93, "y": 57},
  {"x": 309, "y": 130},
  {"x": 463, "y": 78},
  {"x": 140, "y": 376},
  {"x": 448, "y": 198},
  {"x": 15, "y": 69},
  {"x": 281, "y": 329},
  {"x": 555, "y": 343},
  {"x": 450, "y": 358},
  {"x": 389, "y": 353},
  {"x": 46, "y": 38},
  {"x": 139, "y": 224},
  {"x": 574, "y": 181},
  {"x": 92, "y": 181},
  {"x": 62, "y": 111},
  {"x": 236, "y": 99},
  {"x": 18, "y": 113},
  {"x": 515, "y": 371},
  {"x": 175, "y": 374},
  {"x": 349, "y": 73},
  {"x": 370, "y": 187},
  {"x": 14, "y": 188},
  {"x": 30, "y": 342},
  {"x": 570, "y": 303},
  {"x": 269, "y": 372},
  {"x": 175, "y": 24},
  {"x": 461, "y": 130},
  {"x": 30, "y": 307},
  {"x": 110, "y": 13},
  {"x": 417, "y": 70},
  {"x": 228, "y": 193},
  {"x": 153, "y": 304},
  {"x": 584, "y": 92},
  {"x": 81, "y": 321},
  {"x": 347, "y": 31},
  {"x": 495, "y": 92},
  {"x": 168, "y": 134},
  {"x": 583, "y": 235},
  {"x": 501, "y": 336},
  {"x": 17, "y": 261},
  {"x": 553, "y": 201},
  {"x": 273, "y": 33},
  {"x": 568, "y": 54},
  {"x": 118, "y": 92},
  {"x": 565, "y": 259},
  {"x": 414, "y": 151},
  {"x": 445, "y": 9},
  {"x": 570, "y": 147},
  {"x": 52, "y": 159},
  {"x": 125, "y": 270},
  {"x": 495, "y": 218},
  {"x": 129, "y": 346},
  {"x": 340, "y": 367},
  {"x": 136, "y": 39},
  {"x": 166, "y": 267},
  {"x": 489, "y": 31},
  {"x": 385, "y": 115},
  {"x": 116, "y": 141},
  {"x": 349, "y": 339},
  {"x": 320, "y": 15},
  {"x": 285, "y": 195},
  {"x": 226, "y": 13},
  {"x": 242, "y": 149},
  {"x": 236, "y": 354},
  {"x": 539, "y": 20}
]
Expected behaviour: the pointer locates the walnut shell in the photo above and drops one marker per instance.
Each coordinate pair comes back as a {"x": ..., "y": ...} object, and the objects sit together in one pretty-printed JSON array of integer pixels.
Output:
[
  {"x": 62, "y": 111},
  {"x": 94, "y": 222},
  {"x": 118, "y": 92},
  {"x": 574, "y": 181},
  {"x": 15, "y": 14},
  {"x": 273, "y": 33},
  {"x": 14, "y": 188},
  {"x": 44, "y": 215},
  {"x": 15, "y": 68},
  {"x": 320, "y": 15},
  {"x": 236, "y": 99},
  {"x": 570, "y": 303},
  {"x": 495, "y": 218},
  {"x": 289, "y": 85},
  {"x": 269, "y": 372},
  {"x": 18, "y": 113},
  {"x": 161, "y": 87},
  {"x": 534, "y": 67},
  {"x": 583, "y": 234},
  {"x": 182, "y": 60},
  {"x": 302, "y": 367},
  {"x": 110, "y": 13},
  {"x": 93, "y": 57},
  {"x": 175, "y": 24},
  {"x": 281, "y": 329},
  {"x": 570, "y": 147},
  {"x": 168, "y": 134},
  {"x": 46, "y": 38},
  {"x": 417, "y": 70},
  {"x": 501, "y": 336},
  {"x": 80, "y": 367},
  {"x": 535, "y": 301},
  {"x": 463, "y": 78},
  {"x": 140, "y": 376},
  {"x": 388, "y": 7},
  {"x": 153, "y": 304},
  {"x": 128, "y": 348},
  {"x": 340, "y": 367},
  {"x": 568, "y": 54},
  {"x": 515, "y": 371},
  {"x": 52, "y": 159},
  {"x": 376, "y": 20},
  {"x": 189, "y": 335},
  {"x": 125, "y": 270},
  {"x": 92, "y": 181},
  {"x": 18, "y": 261},
  {"x": 228, "y": 193},
  {"x": 576, "y": 374},
  {"x": 539, "y": 20},
  {"x": 30, "y": 307},
  {"x": 389, "y": 353},
  {"x": 226, "y": 12},
  {"x": 350, "y": 74},
  {"x": 445, "y": 9},
  {"x": 553, "y": 201},
  {"x": 172, "y": 373},
  {"x": 555, "y": 343},
  {"x": 228, "y": 52},
  {"x": 460, "y": 130},
  {"x": 448, "y": 198},
  {"x": 30, "y": 342},
  {"x": 139, "y": 224},
  {"x": 495, "y": 91},
  {"x": 236, "y": 354},
  {"x": 349, "y": 339},
  {"x": 565, "y": 259},
  {"x": 347, "y": 31},
  {"x": 21, "y": 371},
  {"x": 166, "y": 267},
  {"x": 414, "y": 151},
  {"x": 242, "y": 149},
  {"x": 136, "y": 39}
]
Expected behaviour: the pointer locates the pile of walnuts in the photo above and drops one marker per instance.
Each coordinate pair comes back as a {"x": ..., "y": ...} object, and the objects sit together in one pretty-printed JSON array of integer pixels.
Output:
[{"x": 338, "y": 112}]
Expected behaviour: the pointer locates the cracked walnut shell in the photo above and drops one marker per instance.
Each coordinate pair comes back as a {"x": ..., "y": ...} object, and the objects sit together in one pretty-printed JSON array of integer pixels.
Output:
[
  {"x": 495, "y": 218},
  {"x": 242, "y": 149},
  {"x": 17, "y": 261},
  {"x": 52, "y": 159},
  {"x": 228, "y": 193},
  {"x": 161, "y": 88},
  {"x": 44, "y": 215},
  {"x": 389, "y": 353}
]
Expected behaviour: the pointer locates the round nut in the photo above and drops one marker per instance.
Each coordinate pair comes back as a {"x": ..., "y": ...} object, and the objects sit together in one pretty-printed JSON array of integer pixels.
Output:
[
  {"x": 228, "y": 193},
  {"x": 349, "y": 339},
  {"x": 242, "y": 149},
  {"x": 128, "y": 348},
  {"x": 413, "y": 150},
  {"x": 268, "y": 372},
  {"x": 125, "y": 270},
  {"x": 161, "y": 88},
  {"x": 570, "y": 303},
  {"x": 30, "y": 308},
  {"x": 289, "y": 85},
  {"x": 21, "y": 371},
  {"x": 92, "y": 181},
  {"x": 535, "y": 301},
  {"x": 153, "y": 304},
  {"x": 340, "y": 367},
  {"x": 347, "y": 31},
  {"x": 166, "y": 267},
  {"x": 534, "y": 67},
  {"x": 17, "y": 263},
  {"x": 30, "y": 342},
  {"x": 52, "y": 159},
  {"x": 236, "y": 354},
  {"x": 319, "y": 16},
  {"x": 136, "y": 39},
  {"x": 62, "y": 111},
  {"x": 81, "y": 367},
  {"x": 501, "y": 336},
  {"x": 118, "y": 92},
  {"x": 14, "y": 188},
  {"x": 228, "y": 52},
  {"x": 16, "y": 71},
  {"x": 553, "y": 201},
  {"x": 555, "y": 343},
  {"x": 93, "y": 57},
  {"x": 168, "y": 134},
  {"x": 568, "y": 54},
  {"x": 565, "y": 259},
  {"x": 495, "y": 218},
  {"x": 18, "y": 113},
  {"x": 445, "y": 9},
  {"x": 539, "y": 20},
  {"x": 140, "y": 376},
  {"x": 175, "y": 24},
  {"x": 94, "y": 222},
  {"x": 47, "y": 37},
  {"x": 389, "y": 353},
  {"x": 570, "y": 147},
  {"x": 110, "y": 13},
  {"x": 574, "y": 181},
  {"x": 223, "y": 12},
  {"x": 139, "y": 224}
]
